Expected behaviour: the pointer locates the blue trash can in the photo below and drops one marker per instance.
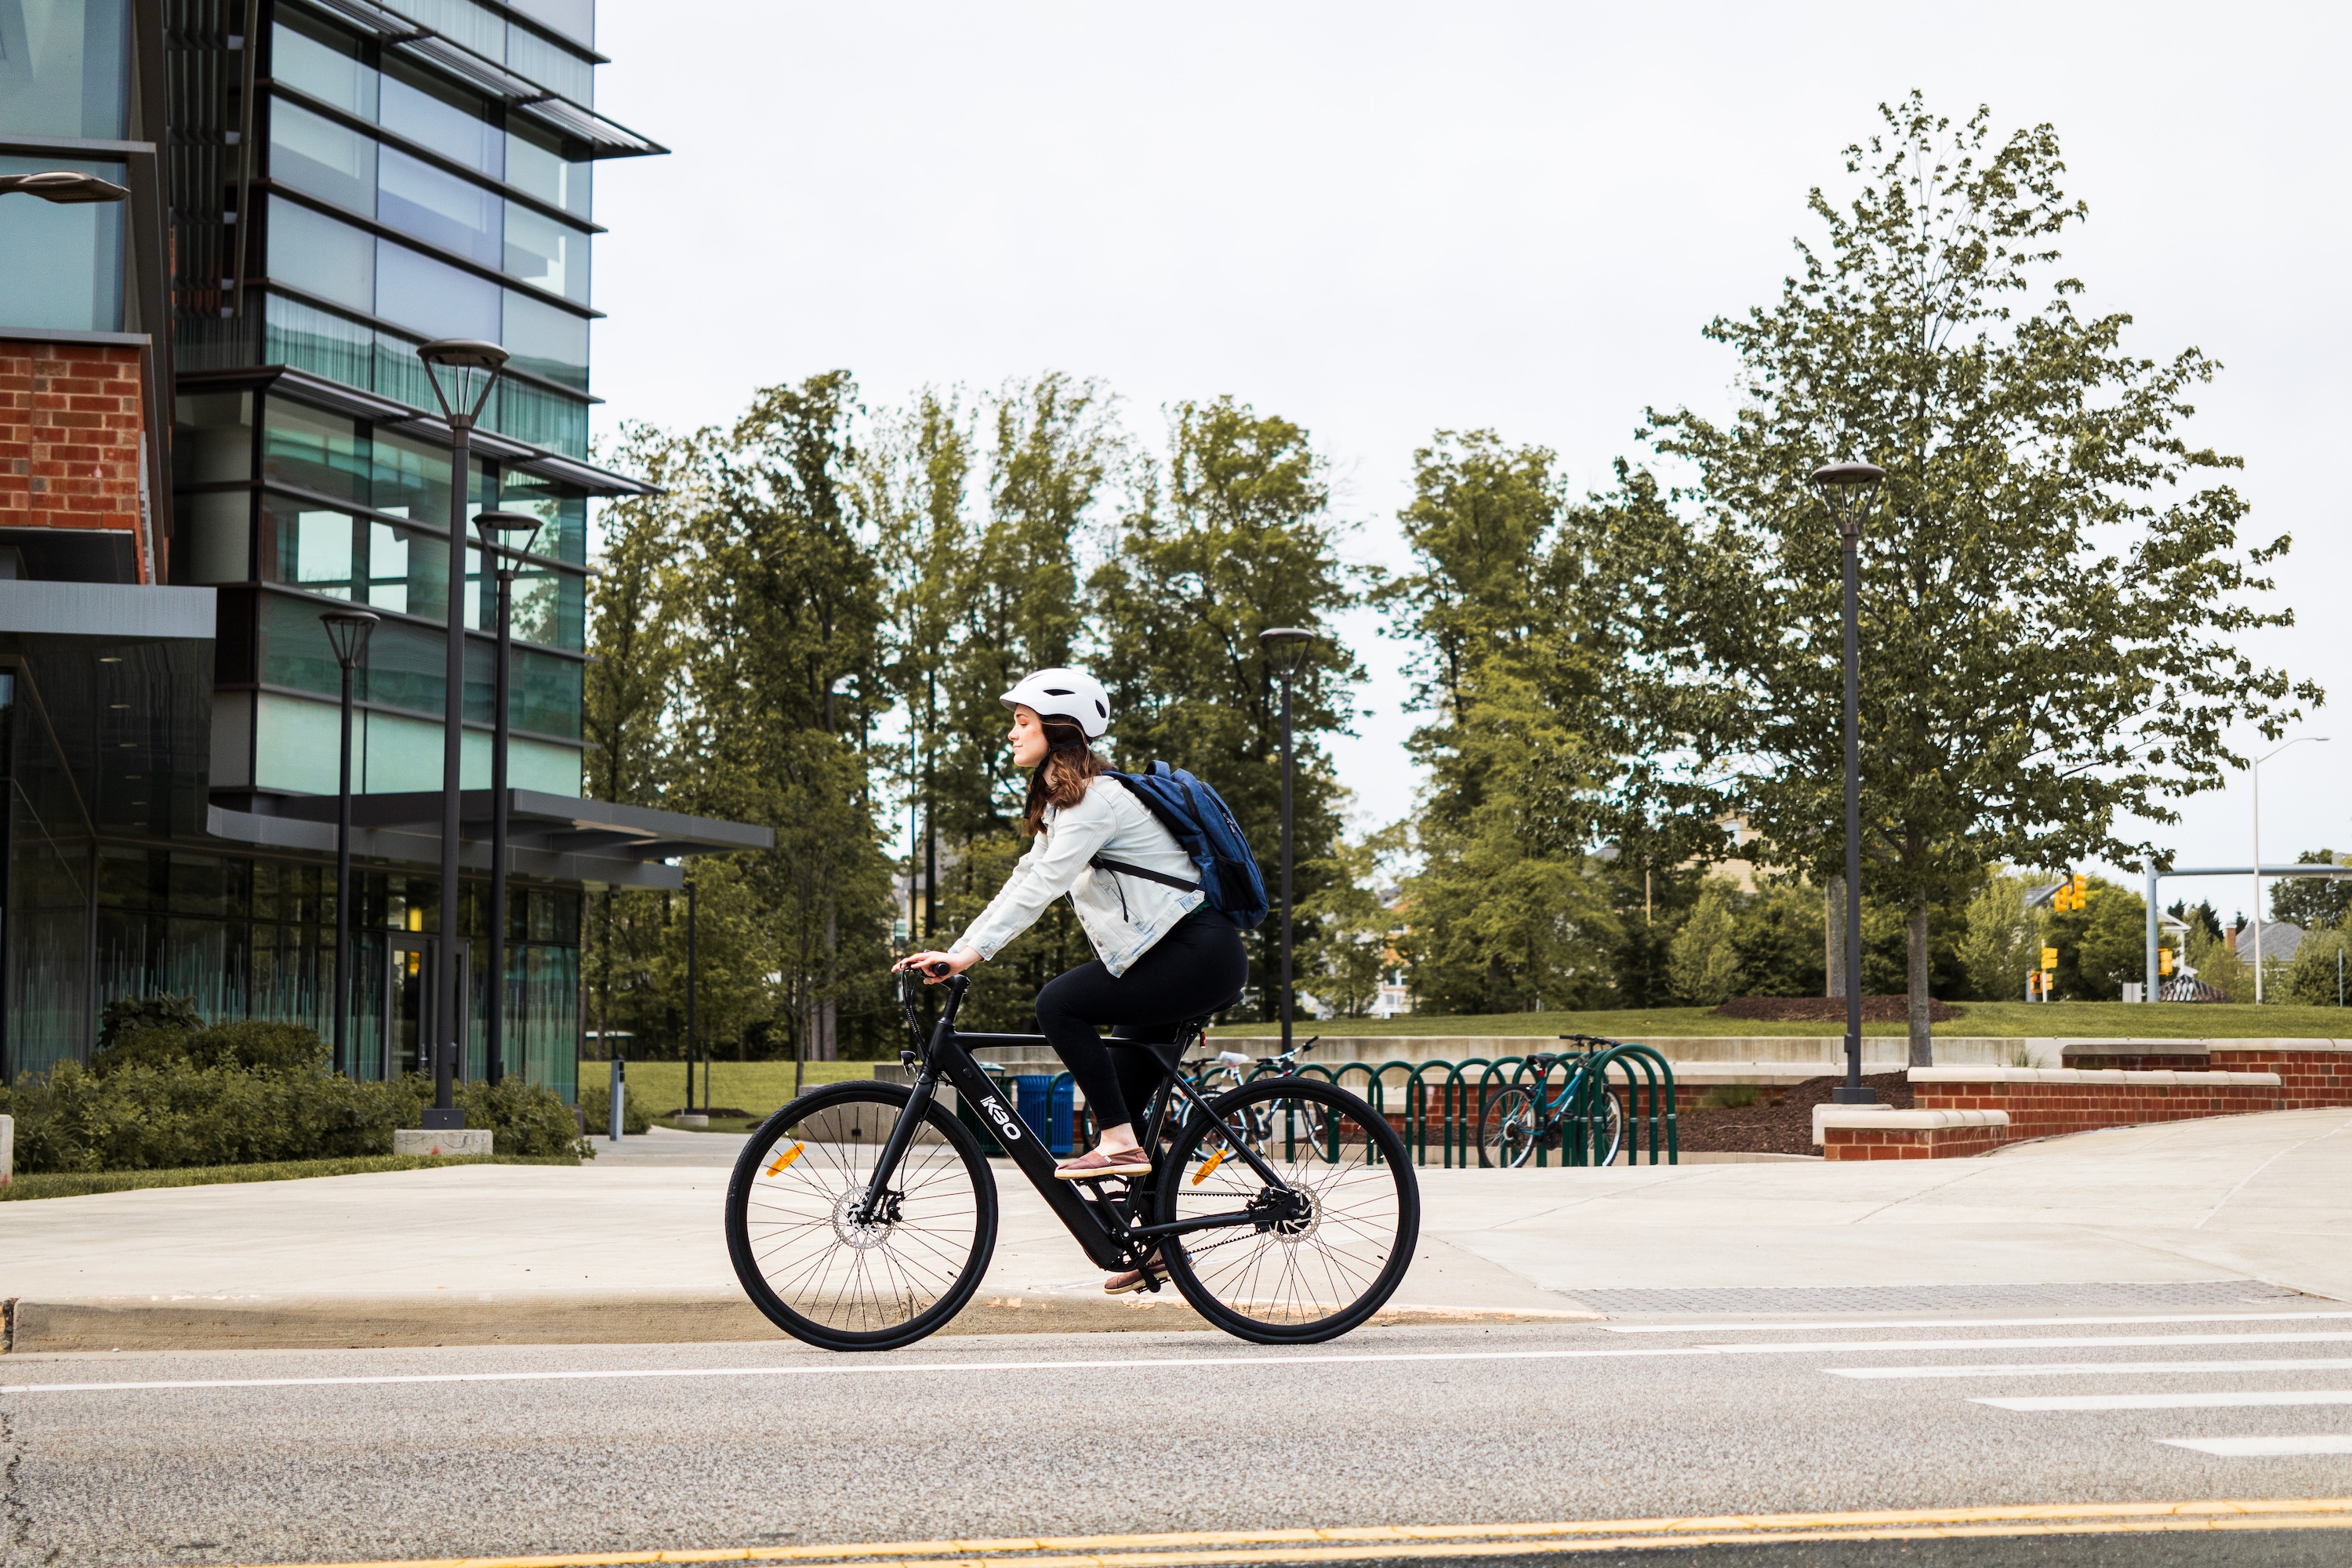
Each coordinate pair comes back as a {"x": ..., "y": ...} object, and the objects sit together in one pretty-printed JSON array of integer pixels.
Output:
[{"x": 1044, "y": 1101}]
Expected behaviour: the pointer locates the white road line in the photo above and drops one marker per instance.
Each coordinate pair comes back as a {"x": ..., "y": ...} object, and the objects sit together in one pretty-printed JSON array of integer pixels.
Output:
[
  {"x": 921, "y": 1368},
  {"x": 2244, "y": 1400},
  {"x": 1962, "y": 1323},
  {"x": 2265, "y": 1448},
  {"x": 2082, "y": 1368}
]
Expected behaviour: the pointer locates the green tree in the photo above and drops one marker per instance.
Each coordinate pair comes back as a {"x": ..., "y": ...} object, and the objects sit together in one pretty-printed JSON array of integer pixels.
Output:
[
  {"x": 1231, "y": 534},
  {"x": 2051, "y": 582},
  {"x": 1344, "y": 928},
  {"x": 2100, "y": 946},
  {"x": 2312, "y": 902},
  {"x": 2002, "y": 940},
  {"x": 2318, "y": 977},
  {"x": 1704, "y": 957}
]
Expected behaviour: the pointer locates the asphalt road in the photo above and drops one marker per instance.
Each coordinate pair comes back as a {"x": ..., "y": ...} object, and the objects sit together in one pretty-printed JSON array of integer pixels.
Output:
[{"x": 336, "y": 1456}]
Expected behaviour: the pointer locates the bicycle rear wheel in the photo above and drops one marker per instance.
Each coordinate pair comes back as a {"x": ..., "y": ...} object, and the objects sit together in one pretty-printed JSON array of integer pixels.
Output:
[
  {"x": 813, "y": 1266},
  {"x": 1313, "y": 1261},
  {"x": 1508, "y": 1131}
]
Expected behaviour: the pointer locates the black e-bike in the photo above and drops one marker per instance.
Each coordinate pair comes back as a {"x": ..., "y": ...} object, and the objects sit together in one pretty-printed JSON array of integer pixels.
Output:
[{"x": 862, "y": 1216}]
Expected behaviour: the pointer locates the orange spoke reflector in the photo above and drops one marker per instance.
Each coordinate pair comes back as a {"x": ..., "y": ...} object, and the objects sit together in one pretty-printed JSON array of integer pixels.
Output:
[
  {"x": 786, "y": 1158},
  {"x": 1213, "y": 1161}
]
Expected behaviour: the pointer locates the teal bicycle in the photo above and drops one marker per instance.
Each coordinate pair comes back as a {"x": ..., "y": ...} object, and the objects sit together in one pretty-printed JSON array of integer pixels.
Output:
[{"x": 1525, "y": 1116}]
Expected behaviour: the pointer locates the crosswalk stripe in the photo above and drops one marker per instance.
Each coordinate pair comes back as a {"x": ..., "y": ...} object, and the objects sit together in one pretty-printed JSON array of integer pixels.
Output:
[
  {"x": 2083, "y": 1368},
  {"x": 2236, "y": 1399},
  {"x": 1769, "y": 1328},
  {"x": 2265, "y": 1448}
]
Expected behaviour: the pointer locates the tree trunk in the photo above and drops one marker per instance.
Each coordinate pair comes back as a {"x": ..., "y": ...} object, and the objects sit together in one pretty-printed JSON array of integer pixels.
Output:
[
  {"x": 1923, "y": 1053},
  {"x": 1834, "y": 937}
]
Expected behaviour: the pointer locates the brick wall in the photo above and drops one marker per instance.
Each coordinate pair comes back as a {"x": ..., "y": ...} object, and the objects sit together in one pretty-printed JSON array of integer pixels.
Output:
[
  {"x": 1908, "y": 1143},
  {"x": 70, "y": 420},
  {"x": 2307, "y": 1078},
  {"x": 2048, "y": 1102}
]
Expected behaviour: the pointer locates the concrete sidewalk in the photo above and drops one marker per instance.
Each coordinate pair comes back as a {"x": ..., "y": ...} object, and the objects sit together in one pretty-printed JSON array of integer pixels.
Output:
[{"x": 628, "y": 1248}]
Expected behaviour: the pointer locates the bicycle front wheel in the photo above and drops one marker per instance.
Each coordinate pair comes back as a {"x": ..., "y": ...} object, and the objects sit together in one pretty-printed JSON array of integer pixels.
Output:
[
  {"x": 826, "y": 1273},
  {"x": 1318, "y": 1254}
]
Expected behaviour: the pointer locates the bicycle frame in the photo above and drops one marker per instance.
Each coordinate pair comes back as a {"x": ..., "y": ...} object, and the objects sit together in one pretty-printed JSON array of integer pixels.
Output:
[{"x": 1102, "y": 1223}]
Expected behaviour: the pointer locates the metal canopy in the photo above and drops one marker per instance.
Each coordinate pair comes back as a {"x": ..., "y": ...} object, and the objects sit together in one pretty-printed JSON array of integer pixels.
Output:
[{"x": 550, "y": 836}]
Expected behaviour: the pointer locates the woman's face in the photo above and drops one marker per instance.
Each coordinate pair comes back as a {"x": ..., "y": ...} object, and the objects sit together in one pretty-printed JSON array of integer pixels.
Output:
[{"x": 1028, "y": 738}]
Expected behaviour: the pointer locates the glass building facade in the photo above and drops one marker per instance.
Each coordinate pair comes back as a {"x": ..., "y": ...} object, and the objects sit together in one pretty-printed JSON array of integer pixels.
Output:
[{"x": 317, "y": 187}]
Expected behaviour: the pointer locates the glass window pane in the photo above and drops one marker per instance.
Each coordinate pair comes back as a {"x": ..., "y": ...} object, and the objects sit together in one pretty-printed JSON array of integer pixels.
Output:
[
  {"x": 297, "y": 745},
  {"x": 412, "y": 476},
  {"x": 318, "y": 342},
  {"x": 406, "y": 669},
  {"x": 60, "y": 266},
  {"x": 312, "y": 252},
  {"x": 314, "y": 449},
  {"x": 547, "y": 608},
  {"x": 433, "y": 297},
  {"x": 562, "y": 508},
  {"x": 546, "y": 694},
  {"x": 575, "y": 19},
  {"x": 542, "y": 418},
  {"x": 552, "y": 255},
  {"x": 535, "y": 163},
  {"x": 294, "y": 648},
  {"x": 306, "y": 547},
  {"x": 322, "y": 60},
  {"x": 214, "y": 536},
  {"x": 387, "y": 567},
  {"x": 64, "y": 67},
  {"x": 452, "y": 122},
  {"x": 461, "y": 22},
  {"x": 314, "y": 155},
  {"x": 437, "y": 207},
  {"x": 546, "y": 340},
  {"x": 212, "y": 437},
  {"x": 551, "y": 65}
]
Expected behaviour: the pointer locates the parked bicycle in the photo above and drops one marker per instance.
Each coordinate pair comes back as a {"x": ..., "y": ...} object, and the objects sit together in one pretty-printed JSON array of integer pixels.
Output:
[
  {"x": 1524, "y": 1116},
  {"x": 862, "y": 1216}
]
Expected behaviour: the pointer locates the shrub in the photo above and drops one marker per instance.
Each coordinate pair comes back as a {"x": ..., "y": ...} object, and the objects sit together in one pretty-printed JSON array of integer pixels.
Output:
[
  {"x": 144, "y": 1116},
  {"x": 524, "y": 1118},
  {"x": 596, "y": 1104},
  {"x": 129, "y": 1013},
  {"x": 252, "y": 1044}
]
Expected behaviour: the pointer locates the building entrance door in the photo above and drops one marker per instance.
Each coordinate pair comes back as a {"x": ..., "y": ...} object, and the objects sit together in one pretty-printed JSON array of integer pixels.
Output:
[{"x": 410, "y": 989}]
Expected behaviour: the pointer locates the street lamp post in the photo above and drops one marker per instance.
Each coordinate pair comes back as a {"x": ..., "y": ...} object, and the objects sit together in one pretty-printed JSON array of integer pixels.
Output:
[
  {"x": 2255, "y": 768},
  {"x": 349, "y": 631},
  {"x": 1848, "y": 489},
  {"x": 461, "y": 361},
  {"x": 507, "y": 535},
  {"x": 1286, "y": 648},
  {"x": 67, "y": 187}
]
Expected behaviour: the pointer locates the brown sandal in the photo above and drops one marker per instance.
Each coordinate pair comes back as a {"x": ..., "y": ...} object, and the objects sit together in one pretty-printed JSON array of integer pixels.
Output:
[{"x": 1095, "y": 1164}]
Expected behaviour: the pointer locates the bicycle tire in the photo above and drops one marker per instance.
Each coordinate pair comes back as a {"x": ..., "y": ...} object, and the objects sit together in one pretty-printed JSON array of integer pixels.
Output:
[
  {"x": 1283, "y": 1283},
  {"x": 822, "y": 1277},
  {"x": 1508, "y": 1131}
]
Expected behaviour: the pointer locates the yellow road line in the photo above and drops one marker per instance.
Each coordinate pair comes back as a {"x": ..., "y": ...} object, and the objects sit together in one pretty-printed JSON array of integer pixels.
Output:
[{"x": 1376, "y": 1543}]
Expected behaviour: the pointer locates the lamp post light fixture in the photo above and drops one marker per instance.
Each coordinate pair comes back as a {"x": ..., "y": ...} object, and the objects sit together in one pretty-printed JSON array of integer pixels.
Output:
[
  {"x": 349, "y": 631},
  {"x": 507, "y": 535},
  {"x": 1285, "y": 649},
  {"x": 455, "y": 365},
  {"x": 1849, "y": 487},
  {"x": 67, "y": 187},
  {"x": 2255, "y": 768}
]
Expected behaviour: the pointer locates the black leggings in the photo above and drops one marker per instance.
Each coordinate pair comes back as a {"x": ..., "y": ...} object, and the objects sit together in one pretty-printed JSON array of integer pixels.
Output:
[{"x": 1198, "y": 967}]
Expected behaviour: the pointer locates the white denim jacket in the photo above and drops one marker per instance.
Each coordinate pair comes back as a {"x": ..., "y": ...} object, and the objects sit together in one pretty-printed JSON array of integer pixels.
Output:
[{"x": 1122, "y": 915}]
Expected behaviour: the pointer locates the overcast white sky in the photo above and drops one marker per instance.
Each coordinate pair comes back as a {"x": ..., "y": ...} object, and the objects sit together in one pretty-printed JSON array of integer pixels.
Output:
[{"x": 1383, "y": 220}]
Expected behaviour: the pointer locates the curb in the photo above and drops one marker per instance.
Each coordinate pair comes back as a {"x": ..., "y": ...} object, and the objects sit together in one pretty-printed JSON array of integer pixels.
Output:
[{"x": 214, "y": 1324}]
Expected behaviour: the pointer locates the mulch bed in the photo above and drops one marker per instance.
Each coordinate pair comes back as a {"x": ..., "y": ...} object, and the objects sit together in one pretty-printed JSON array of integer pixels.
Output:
[
  {"x": 1786, "y": 1128},
  {"x": 1831, "y": 1009}
]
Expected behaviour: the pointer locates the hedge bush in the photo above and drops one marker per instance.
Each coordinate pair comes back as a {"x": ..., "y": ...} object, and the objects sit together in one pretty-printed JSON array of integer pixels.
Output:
[
  {"x": 163, "y": 1096},
  {"x": 597, "y": 1106}
]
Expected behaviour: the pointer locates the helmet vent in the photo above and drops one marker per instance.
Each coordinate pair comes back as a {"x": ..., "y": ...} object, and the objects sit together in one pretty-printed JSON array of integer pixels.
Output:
[{"x": 1060, "y": 692}]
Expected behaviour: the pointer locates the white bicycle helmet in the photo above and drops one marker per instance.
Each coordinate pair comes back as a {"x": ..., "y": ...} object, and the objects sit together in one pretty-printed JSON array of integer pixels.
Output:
[{"x": 1070, "y": 694}]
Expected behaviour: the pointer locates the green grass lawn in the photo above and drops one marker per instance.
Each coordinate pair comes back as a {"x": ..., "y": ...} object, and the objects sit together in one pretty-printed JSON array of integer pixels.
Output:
[
  {"x": 78, "y": 1183},
  {"x": 659, "y": 1087},
  {"x": 2166, "y": 1020}
]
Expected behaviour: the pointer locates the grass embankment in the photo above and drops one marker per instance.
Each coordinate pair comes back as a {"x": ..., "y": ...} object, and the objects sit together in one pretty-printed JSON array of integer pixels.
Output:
[
  {"x": 756, "y": 1087},
  {"x": 2073, "y": 1020},
  {"x": 79, "y": 1184}
]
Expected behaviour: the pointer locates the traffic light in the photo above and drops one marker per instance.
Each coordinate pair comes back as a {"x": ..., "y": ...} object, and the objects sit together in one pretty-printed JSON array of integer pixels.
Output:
[
  {"x": 2164, "y": 961},
  {"x": 2049, "y": 959},
  {"x": 2081, "y": 889}
]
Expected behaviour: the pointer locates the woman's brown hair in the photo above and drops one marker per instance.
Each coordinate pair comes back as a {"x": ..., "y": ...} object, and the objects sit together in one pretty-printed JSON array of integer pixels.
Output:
[{"x": 1061, "y": 779}]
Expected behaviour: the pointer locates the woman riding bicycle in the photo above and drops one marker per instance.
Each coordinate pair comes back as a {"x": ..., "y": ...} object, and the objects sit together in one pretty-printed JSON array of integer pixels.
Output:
[{"x": 1163, "y": 954}]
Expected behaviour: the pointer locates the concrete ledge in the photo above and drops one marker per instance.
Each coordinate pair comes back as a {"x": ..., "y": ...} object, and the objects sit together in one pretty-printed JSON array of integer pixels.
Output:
[
  {"x": 441, "y": 1141},
  {"x": 2090, "y": 1076},
  {"x": 1881, "y": 1118}
]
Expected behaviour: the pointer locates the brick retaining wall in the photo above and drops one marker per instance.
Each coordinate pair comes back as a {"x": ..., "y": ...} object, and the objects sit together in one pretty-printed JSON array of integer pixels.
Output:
[
  {"x": 2045, "y": 1102},
  {"x": 70, "y": 427}
]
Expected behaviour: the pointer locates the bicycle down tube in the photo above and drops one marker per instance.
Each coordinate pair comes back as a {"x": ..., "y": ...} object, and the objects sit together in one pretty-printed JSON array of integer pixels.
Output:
[{"x": 1094, "y": 1219}]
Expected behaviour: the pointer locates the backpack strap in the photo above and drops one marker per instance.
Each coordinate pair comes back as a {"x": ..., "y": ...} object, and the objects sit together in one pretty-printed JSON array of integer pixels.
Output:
[{"x": 1103, "y": 863}]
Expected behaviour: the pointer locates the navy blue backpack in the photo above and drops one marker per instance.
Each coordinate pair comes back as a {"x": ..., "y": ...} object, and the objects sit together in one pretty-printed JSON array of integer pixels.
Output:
[{"x": 1203, "y": 824}]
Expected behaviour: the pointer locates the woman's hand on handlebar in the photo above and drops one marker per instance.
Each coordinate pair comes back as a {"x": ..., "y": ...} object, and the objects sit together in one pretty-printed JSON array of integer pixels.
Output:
[{"x": 935, "y": 967}]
